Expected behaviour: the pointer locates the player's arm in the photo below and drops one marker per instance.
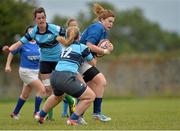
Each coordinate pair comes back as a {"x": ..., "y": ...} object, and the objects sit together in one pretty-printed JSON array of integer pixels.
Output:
[
  {"x": 97, "y": 49},
  {"x": 8, "y": 62},
  {"x": 88, "y": 56},
  {"x": 92, "y": 62},
  {"x": 61, "y": 32},
  {"x": 63, "y": 41},
  {"x": 93, "y": 38},
  {"x": 12, "y": 47},
  {"x": 15, "y": 46}
]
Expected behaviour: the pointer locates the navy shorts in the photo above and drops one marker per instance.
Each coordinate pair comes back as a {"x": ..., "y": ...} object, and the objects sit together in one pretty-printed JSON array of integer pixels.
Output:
[
  {"x": 90, "y": 74},
  {"x": 47, "y": 67},
  {"x": 66, "y": 82}
]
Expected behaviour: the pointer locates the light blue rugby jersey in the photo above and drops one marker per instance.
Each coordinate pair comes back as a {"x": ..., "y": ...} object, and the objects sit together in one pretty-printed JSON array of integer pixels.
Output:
[
  {"x": 94, "y": 34},
  {"x": 29, "y": 55},
  {"x": 50, "y": 47},
  {"x": 72, "y": 57}
]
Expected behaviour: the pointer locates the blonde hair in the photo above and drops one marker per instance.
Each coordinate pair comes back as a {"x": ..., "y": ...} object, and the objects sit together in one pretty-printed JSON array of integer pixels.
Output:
[
  {"x": 102, "y": 13},
  {"x": 69, "y": 21},
  {"x": 72, "y": 35}
]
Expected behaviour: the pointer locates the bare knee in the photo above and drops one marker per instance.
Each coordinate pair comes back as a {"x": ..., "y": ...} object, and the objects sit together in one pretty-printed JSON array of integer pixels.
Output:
[
  {"x": 92, "y": 97},
  {"x": 58, "y": 98},
  {"x": 24, "y": 96},
  {"x": 42, "y": 92},
  {"x": 47, "y": 85},
  {"x": 89, "y": 96},
  {"x": 103, "y": 82},
  {"x": 100, "y": 80},
  {"x": 48, "y": 91}
]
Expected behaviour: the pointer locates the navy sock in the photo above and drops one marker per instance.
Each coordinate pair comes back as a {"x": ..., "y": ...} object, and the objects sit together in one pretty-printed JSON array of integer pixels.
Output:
[
  {"x": 38, "y": 101},
  {"x": 97, "y": 105},
  {"x": 74, "y": 116},
  {"x": 19, "y": 105},
  {"x": 42, "y": 113}
]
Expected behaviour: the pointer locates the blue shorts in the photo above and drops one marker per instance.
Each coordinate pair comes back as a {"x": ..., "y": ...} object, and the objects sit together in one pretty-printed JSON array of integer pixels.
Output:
[{"x": 67, "y": 82}]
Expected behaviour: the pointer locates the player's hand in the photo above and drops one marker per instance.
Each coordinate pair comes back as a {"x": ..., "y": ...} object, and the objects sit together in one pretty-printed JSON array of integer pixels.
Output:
[
  {"x": 106, "y": 52},
  {"x": 8, "y": 69},
  {"x": 6, "y": 49},
  {"x": 111, "y": 47}
]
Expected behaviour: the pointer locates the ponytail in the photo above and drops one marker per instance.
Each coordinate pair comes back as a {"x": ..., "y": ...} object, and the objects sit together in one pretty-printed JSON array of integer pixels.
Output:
[{"x": 72, "y": 35}]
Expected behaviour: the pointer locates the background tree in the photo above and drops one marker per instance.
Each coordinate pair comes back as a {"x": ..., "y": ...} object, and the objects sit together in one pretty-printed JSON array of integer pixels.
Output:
[
  {"x": 132, "y": 31},
  {"x": 14, "y": 17}
]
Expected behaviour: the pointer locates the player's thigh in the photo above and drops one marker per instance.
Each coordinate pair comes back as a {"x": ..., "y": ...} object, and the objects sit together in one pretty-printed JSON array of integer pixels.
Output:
[
  {"x": 37, "y": 85},
  {"x": 87, "y": 94},
  {"x": 99, "y": 79}
]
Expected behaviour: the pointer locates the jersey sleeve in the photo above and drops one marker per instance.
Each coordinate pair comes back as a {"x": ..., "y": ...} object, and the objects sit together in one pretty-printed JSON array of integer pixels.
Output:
[
  {"x": 28, "y": 36},
  {"x": 86, "y": 52},
  {"x": 58, "y": 30}
]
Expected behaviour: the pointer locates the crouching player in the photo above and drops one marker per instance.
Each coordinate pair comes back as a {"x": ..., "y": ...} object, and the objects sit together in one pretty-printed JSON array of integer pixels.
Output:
[{"x": 63, "y": 79}]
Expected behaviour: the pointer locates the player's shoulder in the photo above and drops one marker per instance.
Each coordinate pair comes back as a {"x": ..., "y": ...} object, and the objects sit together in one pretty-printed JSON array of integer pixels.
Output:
[
  {"x": 34, "y": 30},
  {"x": 97, "y": 25},
  {"x": 50, "y": 25},
  {"x": 83, "y": 47},
  {"x": 53, "y": 27}
]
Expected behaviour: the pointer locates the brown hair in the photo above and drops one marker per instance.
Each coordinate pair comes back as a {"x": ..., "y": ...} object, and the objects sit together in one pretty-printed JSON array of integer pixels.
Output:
[
  {"x": 72, "y": 35},
  {"x": 39, "y": 10},
  {"x": 102, "y": 13},
  {"x": 27, "y": 28}
]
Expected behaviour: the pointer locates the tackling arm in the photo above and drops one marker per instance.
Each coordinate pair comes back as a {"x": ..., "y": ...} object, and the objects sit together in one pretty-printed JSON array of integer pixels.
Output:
[{"x": 12, "y": 47}]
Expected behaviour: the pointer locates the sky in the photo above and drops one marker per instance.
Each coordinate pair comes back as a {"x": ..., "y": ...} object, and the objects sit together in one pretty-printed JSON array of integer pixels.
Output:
[{"x": 164, "y": 12}]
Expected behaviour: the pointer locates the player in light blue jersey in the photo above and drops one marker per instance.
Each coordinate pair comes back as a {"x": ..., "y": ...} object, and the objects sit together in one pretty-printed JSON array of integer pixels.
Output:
[
  {"x": 45, "y": 35},
  {"x": 28, "y": 71},
  {"x": 69, "y": 101},
  {"x": 64, "y": 78},
  {"x": 91, "y": 36}
]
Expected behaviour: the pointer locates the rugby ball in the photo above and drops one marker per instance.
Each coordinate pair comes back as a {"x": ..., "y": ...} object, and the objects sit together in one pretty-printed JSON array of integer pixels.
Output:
[{"x": 105, "y": 44}]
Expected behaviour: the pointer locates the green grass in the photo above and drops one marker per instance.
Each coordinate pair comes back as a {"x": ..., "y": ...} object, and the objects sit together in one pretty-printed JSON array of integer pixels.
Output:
[{"x": 137, "y": 113}]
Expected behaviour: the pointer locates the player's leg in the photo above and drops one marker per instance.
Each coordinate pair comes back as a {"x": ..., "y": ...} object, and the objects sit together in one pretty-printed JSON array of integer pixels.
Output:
[
  {"x": 40, "y": 93},
  {"x": 50, "y": 103},
  {"x": 46, "y": 68},
  {"x": 80, "y": 90},
  {"x": 85, "y": 99},
  {"x": 71, "y": 102},
  {"x": 65, "y": 108},
  {"x": 46, "y": 82},
  {"x": 97, "y": 82},
  {"x": 22, "y": 99}
]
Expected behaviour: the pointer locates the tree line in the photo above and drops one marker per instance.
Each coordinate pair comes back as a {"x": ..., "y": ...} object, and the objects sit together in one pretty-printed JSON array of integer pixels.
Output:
[{"x": 132, "y": 31}]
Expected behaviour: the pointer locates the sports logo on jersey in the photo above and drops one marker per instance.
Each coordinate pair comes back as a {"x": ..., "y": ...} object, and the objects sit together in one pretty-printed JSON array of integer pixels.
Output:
[
  {"x": 49, "y": 36},
  {"x": 33, "y": 58}
]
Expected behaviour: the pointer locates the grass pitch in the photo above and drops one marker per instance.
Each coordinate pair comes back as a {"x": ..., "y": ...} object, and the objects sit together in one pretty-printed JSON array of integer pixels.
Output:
[{"x": 126, "y": 114}]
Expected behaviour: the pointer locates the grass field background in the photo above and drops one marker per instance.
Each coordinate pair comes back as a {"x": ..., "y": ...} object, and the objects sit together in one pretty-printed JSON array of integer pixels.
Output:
[{"x": 134, "y": 113}]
